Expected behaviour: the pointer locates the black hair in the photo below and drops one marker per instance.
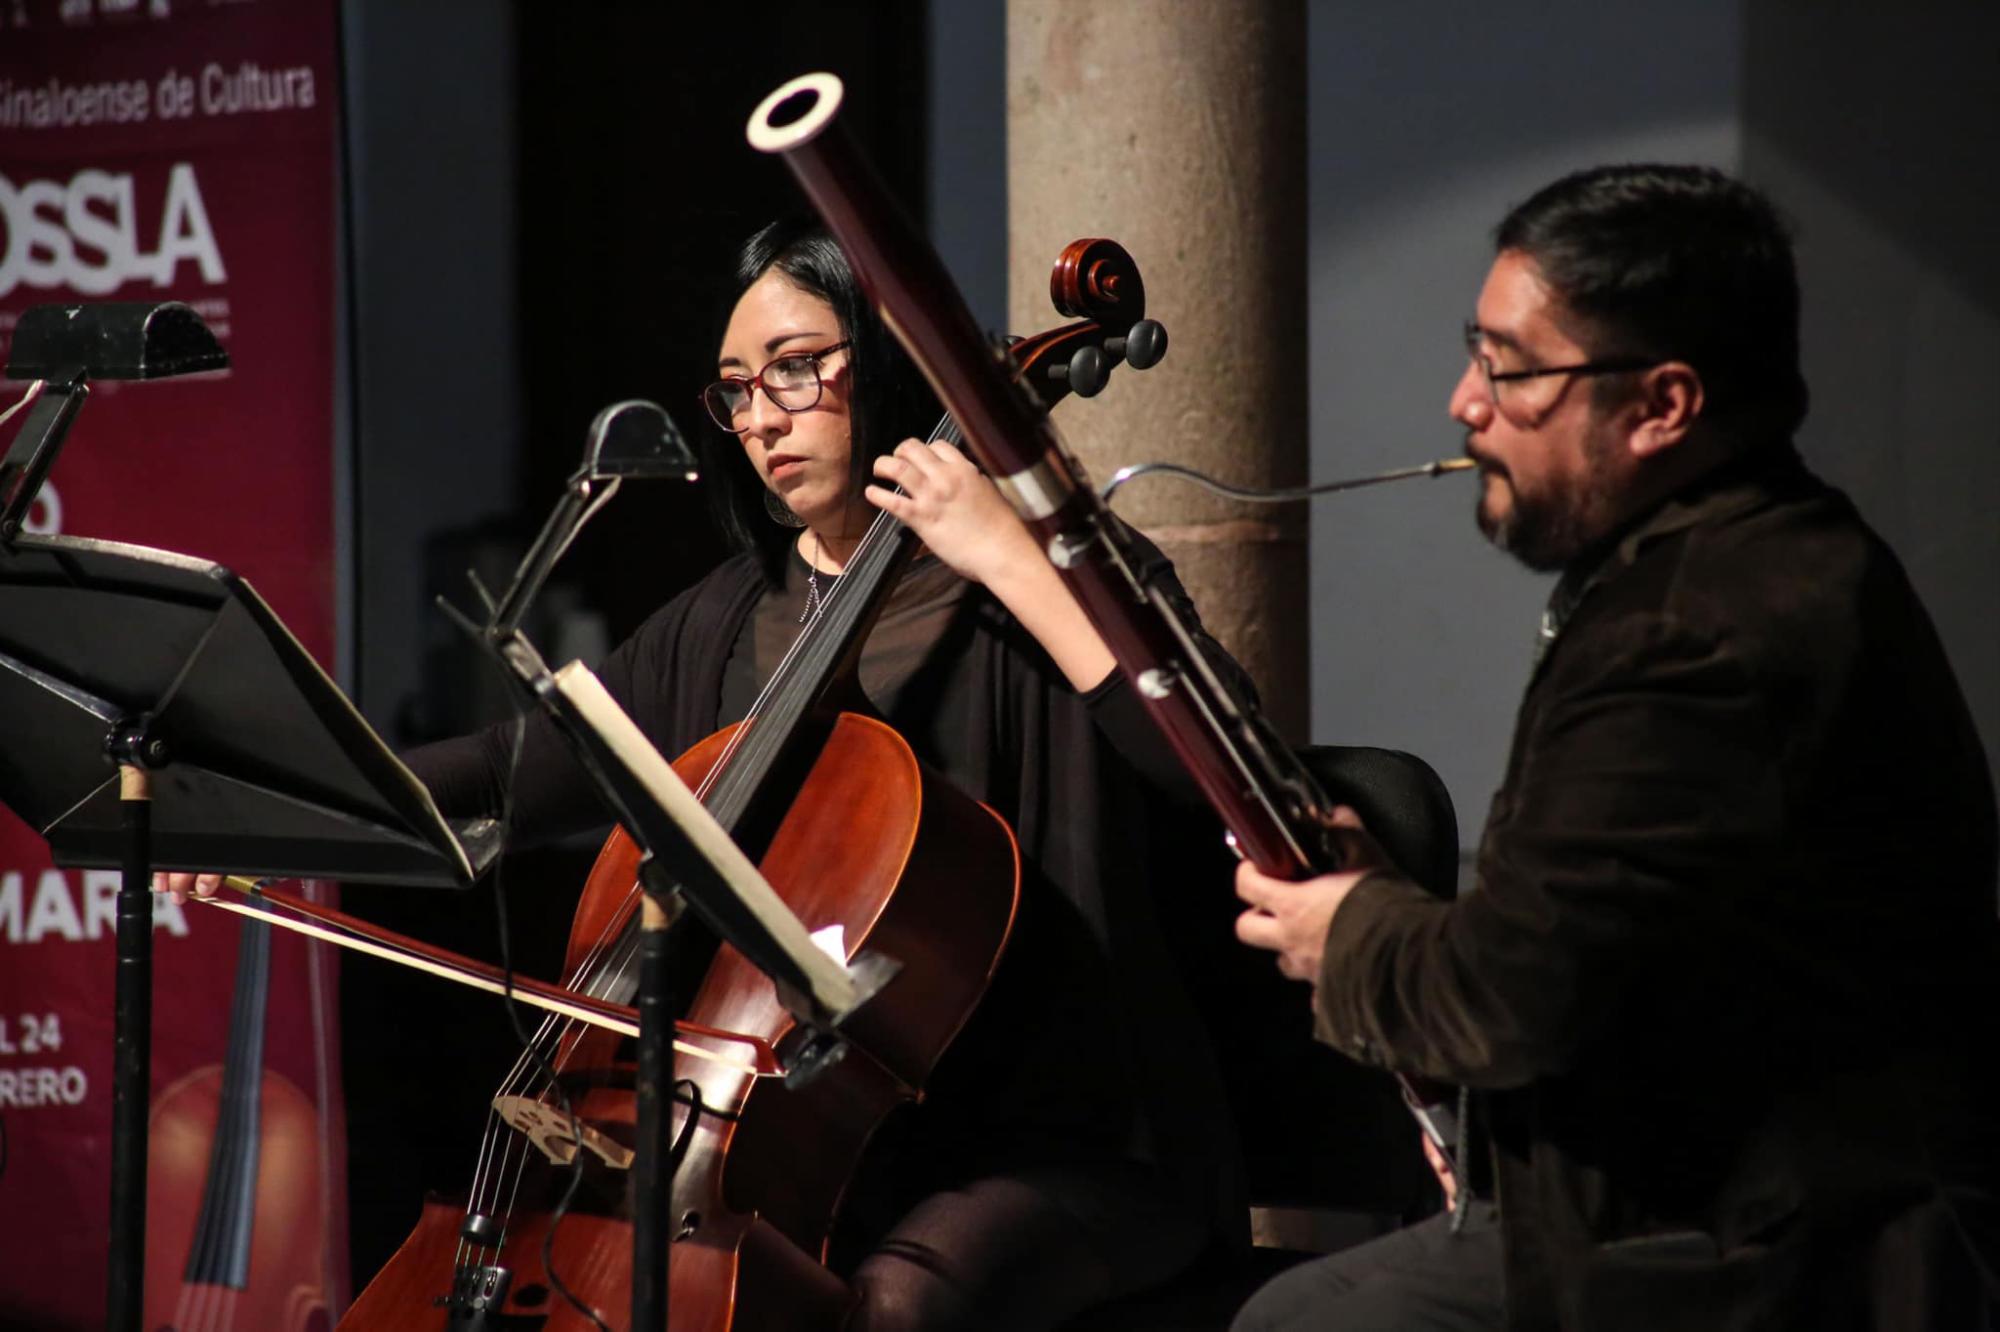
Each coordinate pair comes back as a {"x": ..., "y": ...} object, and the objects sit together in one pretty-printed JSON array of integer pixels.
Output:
[
  {"x": 888, "y": 402},
  {"x": 1678, "y": 263}
]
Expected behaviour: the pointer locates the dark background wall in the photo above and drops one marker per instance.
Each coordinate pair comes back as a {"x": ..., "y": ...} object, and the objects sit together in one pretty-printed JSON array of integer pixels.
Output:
[
  {"x": 1876, "y": 129},
  {"x": 1427, "y": 120},
  {"x": 1871, "y": 129}
]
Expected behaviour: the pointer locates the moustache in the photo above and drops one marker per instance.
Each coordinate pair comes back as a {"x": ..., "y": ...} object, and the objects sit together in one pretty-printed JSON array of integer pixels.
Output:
[{"x": 1487, "y": 465}]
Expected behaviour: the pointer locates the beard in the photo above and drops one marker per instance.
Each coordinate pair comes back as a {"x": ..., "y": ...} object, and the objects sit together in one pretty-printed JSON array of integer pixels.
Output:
[{"x": 1546, "y": 531}]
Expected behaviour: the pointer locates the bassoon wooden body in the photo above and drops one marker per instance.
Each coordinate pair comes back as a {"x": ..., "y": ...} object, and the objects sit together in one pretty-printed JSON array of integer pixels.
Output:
[{"x": 1277, "y": 815}]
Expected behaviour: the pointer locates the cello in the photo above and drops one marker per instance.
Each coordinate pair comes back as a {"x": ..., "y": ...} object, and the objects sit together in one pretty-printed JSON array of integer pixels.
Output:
[{"x": 854, "y": 834}]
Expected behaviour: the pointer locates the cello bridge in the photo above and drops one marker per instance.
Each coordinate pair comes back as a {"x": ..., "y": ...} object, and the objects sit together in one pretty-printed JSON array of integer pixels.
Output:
[{"x": 557, "y": 1135}]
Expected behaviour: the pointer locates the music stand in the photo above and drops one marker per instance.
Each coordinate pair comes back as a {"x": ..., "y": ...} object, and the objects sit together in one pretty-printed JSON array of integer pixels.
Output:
[
  {"x": 63, "y": 347},
  {"x": 155, "y": 713}
]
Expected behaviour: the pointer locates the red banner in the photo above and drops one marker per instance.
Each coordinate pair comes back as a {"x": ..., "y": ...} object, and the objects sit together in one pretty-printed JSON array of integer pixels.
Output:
[{"x": 168, "y": 150}]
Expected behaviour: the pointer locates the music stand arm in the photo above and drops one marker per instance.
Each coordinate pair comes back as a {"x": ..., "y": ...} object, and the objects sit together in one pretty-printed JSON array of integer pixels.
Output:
[
  {"x": 580, "y": 498},
  {"x": 34, "y": 450}
]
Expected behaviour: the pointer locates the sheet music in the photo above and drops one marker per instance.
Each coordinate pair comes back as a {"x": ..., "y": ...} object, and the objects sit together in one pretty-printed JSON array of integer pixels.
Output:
[{"x": 833, "y": 985}]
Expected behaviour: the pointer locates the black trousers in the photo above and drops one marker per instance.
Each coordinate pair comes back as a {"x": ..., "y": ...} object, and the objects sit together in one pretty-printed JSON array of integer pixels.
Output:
[
  {"x": 1422, "y": 1278},
  {"x": 1026, "y": 1250}
]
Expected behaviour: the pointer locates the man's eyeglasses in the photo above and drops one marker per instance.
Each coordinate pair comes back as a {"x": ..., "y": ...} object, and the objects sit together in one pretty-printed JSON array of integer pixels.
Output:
[
  {"x": 1475, "y": 339},
  {"x": 792, "y": 382}
]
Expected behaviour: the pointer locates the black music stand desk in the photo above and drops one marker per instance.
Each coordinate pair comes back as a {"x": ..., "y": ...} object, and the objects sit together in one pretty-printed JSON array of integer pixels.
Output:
[{"x": 155, "y": 714}]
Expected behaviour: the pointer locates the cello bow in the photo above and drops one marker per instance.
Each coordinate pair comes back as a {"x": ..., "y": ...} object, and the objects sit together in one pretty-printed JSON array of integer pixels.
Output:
[{"x": 318, "y": 921}]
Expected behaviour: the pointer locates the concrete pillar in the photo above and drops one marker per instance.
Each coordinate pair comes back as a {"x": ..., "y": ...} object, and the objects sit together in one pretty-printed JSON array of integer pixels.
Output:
[{"x": 1177, "y": 128}]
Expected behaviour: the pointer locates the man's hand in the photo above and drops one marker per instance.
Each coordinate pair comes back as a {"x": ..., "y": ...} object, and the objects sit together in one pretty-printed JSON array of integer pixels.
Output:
[
  {"x": 179, "y": 885},
  {"x": 1291, "y": 918}
]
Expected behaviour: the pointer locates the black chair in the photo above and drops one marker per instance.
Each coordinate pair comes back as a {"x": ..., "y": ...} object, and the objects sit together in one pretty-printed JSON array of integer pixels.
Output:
[{"x": 1317, "y": 1131}]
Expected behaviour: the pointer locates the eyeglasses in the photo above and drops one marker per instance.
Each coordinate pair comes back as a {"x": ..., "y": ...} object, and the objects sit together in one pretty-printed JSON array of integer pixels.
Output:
[
  {"x": 792, "y": 382},
  {"x": 1475, "y": 336}
]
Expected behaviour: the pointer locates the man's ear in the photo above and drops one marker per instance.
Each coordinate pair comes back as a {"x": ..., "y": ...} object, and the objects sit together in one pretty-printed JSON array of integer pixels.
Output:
[{"x": 1665, "y": 409}]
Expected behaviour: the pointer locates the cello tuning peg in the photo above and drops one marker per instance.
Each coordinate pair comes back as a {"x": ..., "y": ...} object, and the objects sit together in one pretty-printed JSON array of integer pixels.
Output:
[
  {"x": 1086, "y": 372},
  {"x": 1142, "y": 346}
]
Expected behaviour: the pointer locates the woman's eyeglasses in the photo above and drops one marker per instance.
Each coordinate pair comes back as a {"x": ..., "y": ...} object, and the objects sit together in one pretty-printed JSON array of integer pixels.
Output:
[{"x": 792, "y": 382}]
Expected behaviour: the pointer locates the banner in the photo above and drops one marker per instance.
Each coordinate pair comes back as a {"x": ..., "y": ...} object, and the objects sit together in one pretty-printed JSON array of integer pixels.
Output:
[{"x": 174, "y": 150}]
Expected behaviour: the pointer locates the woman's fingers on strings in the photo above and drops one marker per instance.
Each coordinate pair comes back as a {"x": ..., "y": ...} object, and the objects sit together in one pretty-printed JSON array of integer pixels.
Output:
[
  {"x": 916, "y": 469},
  {"x": 906, "y": 467},
  {"x": 949, "y": 458},
  {"x": 888, "y": 500},
  {"x": 916, "y": 456}
]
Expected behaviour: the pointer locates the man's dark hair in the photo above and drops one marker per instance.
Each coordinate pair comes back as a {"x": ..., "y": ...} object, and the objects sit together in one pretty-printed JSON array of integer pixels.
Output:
[
  {"x": 888, "y": 399},
  {"x": 1676, "y": 263}
]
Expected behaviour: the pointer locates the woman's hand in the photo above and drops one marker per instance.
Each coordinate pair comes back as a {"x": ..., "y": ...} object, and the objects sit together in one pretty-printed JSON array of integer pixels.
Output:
[
  {"x": 953, "y": 509},
  {"x": 179, "y": 885},
  {"x": 961, "y": 516}
]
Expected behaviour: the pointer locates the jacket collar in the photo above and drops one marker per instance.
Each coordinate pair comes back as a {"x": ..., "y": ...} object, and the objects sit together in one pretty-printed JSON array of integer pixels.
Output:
[{"x": 1726, "y": 491}]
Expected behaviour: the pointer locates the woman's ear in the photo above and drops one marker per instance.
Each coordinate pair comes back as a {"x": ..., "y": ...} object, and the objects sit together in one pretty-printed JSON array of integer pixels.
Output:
[{"x": 1669, "y": 403}]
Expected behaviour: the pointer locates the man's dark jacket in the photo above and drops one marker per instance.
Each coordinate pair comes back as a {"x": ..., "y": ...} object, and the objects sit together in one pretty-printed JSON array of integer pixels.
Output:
[{"x": 1730, "y": 971}]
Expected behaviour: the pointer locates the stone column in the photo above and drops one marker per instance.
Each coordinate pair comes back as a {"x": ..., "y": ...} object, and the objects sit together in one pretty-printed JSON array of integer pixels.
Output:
[{"x": 1177, "y": 128}]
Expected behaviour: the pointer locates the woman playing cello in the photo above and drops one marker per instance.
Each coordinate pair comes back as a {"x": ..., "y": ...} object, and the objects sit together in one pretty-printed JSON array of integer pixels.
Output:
[{"x": 1071, "y": 1146}]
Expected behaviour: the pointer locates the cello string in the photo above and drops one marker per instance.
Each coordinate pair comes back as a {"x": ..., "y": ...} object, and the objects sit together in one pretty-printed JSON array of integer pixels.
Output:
[
  {"x": 611, "y": 978},
  {"x": 608, "y": 964},
  {"x": 882, "y": 524},
  {"x": 489, "y": 1183},
  {"x": 491, "y": 1180},
  {"x": 529, "y": 1043},
  {"x": 745, "y": 735},
  {"x": 753, "y": 745}
]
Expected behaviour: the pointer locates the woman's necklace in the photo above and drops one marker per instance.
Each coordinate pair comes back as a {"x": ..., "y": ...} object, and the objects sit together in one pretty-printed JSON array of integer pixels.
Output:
[{"x": 812, "y": 584}]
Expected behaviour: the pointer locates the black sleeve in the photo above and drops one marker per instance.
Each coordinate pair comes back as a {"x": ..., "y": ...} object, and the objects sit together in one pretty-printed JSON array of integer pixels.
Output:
[
  {"x": 1645, "y": 791},
  {"x": 470, "y": 776}
]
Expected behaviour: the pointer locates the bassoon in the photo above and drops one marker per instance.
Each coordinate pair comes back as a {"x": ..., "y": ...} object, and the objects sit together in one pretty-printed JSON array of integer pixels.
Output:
[{"x": 1276, "y": 813}]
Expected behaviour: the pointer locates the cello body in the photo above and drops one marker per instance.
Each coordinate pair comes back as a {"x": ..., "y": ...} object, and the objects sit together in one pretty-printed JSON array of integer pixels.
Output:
[
  {"x": 905, "y": 865},
  {"x": 287, "y": 1288},
  {"x": 235, "y": 1238}
]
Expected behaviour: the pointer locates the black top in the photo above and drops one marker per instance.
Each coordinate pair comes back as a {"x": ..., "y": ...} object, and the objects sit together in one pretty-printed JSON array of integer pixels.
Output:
[
  {"x": 1086, "y": 1046},
  {"x": 1731, "y": 970},
  {"x": 908, "y": 629}
]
